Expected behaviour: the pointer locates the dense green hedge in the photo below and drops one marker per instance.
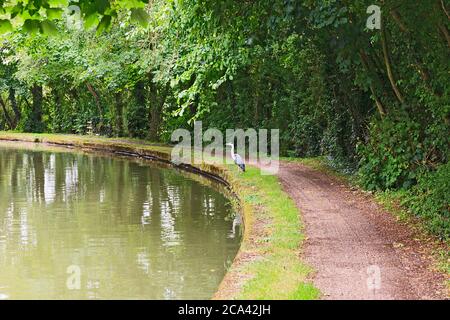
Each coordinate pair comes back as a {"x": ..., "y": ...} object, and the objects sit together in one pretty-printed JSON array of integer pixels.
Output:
[
  {"x": 429, "y": 199},
  {"x": 373, "y": 101}
]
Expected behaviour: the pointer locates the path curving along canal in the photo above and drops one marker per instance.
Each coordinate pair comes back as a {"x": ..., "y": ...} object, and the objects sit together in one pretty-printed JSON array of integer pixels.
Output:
[
  {"x": 359, "y": 250},
  {"x": 77, "y": 225}
]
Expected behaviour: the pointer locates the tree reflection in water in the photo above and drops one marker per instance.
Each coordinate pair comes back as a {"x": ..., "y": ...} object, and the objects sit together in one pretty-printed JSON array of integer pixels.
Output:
[{"x": 134, "y": 229}]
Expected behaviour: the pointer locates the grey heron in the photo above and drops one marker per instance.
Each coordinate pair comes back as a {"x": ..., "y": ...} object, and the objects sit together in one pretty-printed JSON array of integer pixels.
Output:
[
  {"x": 237, "y": 158},
  {"x": 237, "y": 221}
]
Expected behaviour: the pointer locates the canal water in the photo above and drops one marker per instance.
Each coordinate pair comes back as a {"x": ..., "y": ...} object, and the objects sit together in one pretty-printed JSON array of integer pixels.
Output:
[{"x": 79, "y": 225}]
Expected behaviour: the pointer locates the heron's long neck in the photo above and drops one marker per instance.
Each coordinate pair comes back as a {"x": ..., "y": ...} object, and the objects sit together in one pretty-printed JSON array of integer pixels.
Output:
[{"x": 232, "y": 149}]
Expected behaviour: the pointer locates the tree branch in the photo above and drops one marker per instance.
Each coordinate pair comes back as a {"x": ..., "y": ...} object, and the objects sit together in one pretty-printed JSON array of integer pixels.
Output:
[
  {"x": 444, "y": 9},
  {"x": 380, "y": 106},
  {"x": 387, "y": 62}
]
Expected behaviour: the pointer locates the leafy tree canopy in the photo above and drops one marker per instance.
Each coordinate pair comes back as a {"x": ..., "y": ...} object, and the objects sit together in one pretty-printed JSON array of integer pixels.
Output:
[{"x": 40, "y": 15}]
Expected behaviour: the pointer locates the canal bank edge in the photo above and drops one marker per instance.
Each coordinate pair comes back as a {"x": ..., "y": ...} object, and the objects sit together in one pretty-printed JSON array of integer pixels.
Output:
[{"x": 267, "y": 265}]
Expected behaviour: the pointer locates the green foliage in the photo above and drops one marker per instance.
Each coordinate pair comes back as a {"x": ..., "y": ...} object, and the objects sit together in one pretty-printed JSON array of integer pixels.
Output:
[
  {"x": 39, "y": 15},
  {"x": 309, "y": 68},
  {"x": 429, "y": 199},
  {"x": 400, "y": 147},
  {"x": 137, "y": 122},
  {"x": 392, "y": 156}
]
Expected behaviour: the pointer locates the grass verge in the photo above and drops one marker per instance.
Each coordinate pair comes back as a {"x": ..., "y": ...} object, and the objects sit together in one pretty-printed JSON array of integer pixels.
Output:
[
  {"x": 280, "y": 274},
  {"x": 268, "y": 265}
]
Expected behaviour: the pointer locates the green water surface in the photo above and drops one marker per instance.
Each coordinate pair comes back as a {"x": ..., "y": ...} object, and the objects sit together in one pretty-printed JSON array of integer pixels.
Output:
[{"x": 85, "y": 226}]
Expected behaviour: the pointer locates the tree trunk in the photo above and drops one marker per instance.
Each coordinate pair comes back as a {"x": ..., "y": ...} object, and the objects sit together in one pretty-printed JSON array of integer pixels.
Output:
[
  {"x": 119, "y": 115},
  {"x": 15, "y": 107},
  {"x": 137, "y": 119},
  {"x": 380, "y": 106},
  {"x": 157, "y": 100},
  {"x": 139, "y": 93},
  {"x": 7, "y": 116},
  {"x": 95, "y": 95},
  {"x": 444, "y": 9},
  {"x": 387, "y": 62},
  {"x": 36, "y": 113},
  {"x": 58, "y": 107},
  {"x": 444, "y": 32}
]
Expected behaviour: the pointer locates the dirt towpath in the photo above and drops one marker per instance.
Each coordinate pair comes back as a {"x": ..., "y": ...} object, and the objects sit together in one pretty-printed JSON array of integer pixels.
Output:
[{"x": 359, "y": 250}]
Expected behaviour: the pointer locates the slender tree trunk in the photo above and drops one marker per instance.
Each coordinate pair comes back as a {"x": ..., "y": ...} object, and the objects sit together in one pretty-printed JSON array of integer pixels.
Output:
[
  {"x": 138, "y": 122},
  {"x": 7, "y": 116},
  {"x": 36, "y": 114},
  {"x": 157, "y": 100},
  {"x": 96, "y": 97},
  {"x": 15, "y": 107},
  {"x": 119, "y": 114},
  {"x": 155, "y": 117},
  {"x": 27, "y": 103},
  {"x": 193, "y": 107},
  {"x": 268, "y": 107},
  {"x": 154, "y": 114},
  {"x": 139, "y": 93},
  {"x": 58, "y": 107},
  {"x": 257, "y": 105},
  {"x": 380, "y": 106},
  {"x": 444, "y": 31},
  {"x": 387, "y": 62},
  {"x": 444, "y": 9}
]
